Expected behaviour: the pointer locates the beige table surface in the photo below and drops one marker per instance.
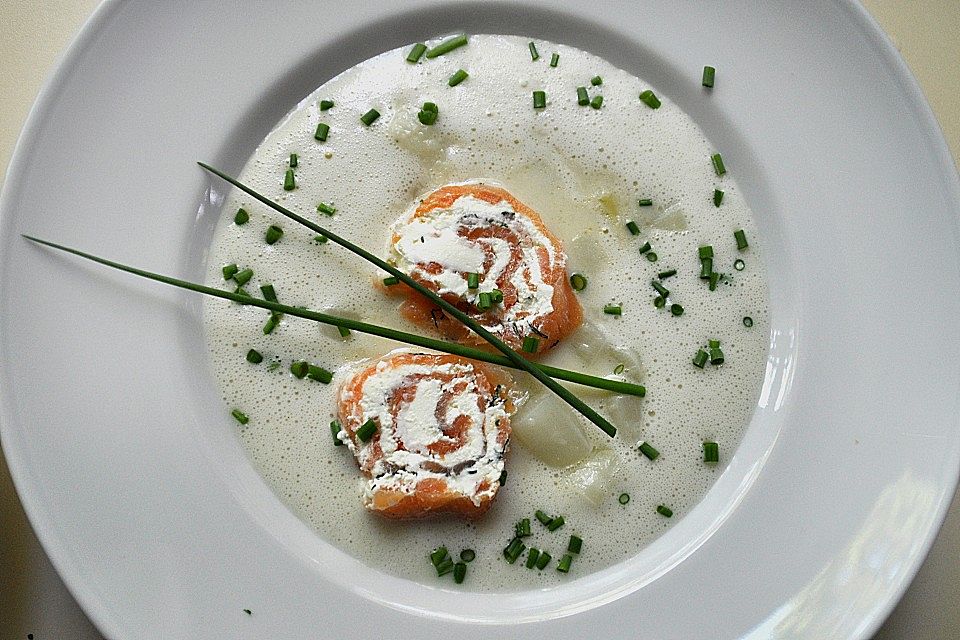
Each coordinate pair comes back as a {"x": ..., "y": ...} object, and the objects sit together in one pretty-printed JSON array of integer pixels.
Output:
[{"x": 33, "y": 33}]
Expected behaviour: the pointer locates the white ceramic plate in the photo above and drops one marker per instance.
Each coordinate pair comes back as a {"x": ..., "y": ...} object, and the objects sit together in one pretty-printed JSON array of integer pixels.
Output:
[{"x": 142, "y": 496}]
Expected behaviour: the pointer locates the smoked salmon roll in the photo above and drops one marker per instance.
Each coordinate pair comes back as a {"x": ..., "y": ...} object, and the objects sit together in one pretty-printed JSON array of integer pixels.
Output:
[
  {"x": 429, "y": 431},
  {"x": 489, "y": 254}
]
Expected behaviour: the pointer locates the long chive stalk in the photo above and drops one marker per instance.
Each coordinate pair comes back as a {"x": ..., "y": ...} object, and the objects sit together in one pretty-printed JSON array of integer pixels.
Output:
[
  {"x": 519, "y": 361},
  {"x": 616, "y": 386}
]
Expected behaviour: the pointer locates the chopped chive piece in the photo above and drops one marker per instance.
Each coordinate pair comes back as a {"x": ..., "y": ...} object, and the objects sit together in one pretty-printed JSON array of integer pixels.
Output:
[
  {"x": 532, "y": 556},
  {"x": 708, "y": 75},
  {"x": 496, "y": 296},
  {"x": 240, "y": 416},
  {"x": 554, "y": 59},
  {"x": 366, "y": 431},
  {"x": 701, "y": 358},
  {"x": 473, "y": 280},
  {"x": 718, "y": 164},
  {"x": 613, "y": 309},
  {"x": 647, "y": 449},
  {"x": 447, "y": 46},
  {"x": 650, "y": 99},
  {"x": 243, "y": 277},
  {"x": 457, "y": 78},
  {"x": 321, "y": 239},
  {"x": 319, "y": 374},
  {"x": 714, "y": 279},
  {"x": 659, "y": 302},
  {"x": 624, "y": 498},
  {"x": 575, "y": 544},
  {"x": 431, "y": 106},
  {"x": 326, "y": 105},
  {"x": 459, "y": 572},
  {"x": 705, "y": 251},
  {"x": 390, "y": 281},
  {"x": 539, "y": 99},
  {"x": 717, "y": 197},
  {"x": 662, "y": 290},
  {"x": 645, "y": 202},
  {"x": 582, "y": 98},
  {"x": 663, "y": 275},
  {"x": 503, "y": 478},
  {"x": 335, "y": 429},
  {"x": 564, "y": 565},
  {"x": 300, "y": 369},
  {"x": 747, "y": 321},
  {"x": 344, "y": 332},
  {"x": 254, "y": 356},
  {"x": 534, "y": 55},
  {"x": 555, "y": 524},
  {"x": 706, "y": 268},
  {"x": 468, "y": 555},
  {"x": 664, "y": 510},
  {"x": 268, "y": 292},
  {"x": 272, "y": 323},
  {"x": 741, "y": 238},
  {"x": 633, "y": 228},
  {"x": 322, "y": 130},
  {"x": 445, "y": 567},
  {"x": 230, "y": 270},
  {"x": 542, "y": 517},
  {"x": 676, "y": 309},
  {"x": 293, "y": 160},
  {"x": 597, "y": 102},
  {"x": 513, "y": 550},
  {"x": 578, "y": 281},
  {"x": 273, "y": 234},
  {"x": 543, "y": 560},
  {"x": 716, "y": 355},
  {"x": 522, "y": 528},
  {"x": 645, "y": 248},
  {"x": 739, "y": 264},
  {"x": 714, "y": 344},
  {"x": 711, "y": 452},
  {"x": 241, "y": 217},
  {"x": 652, "y": 257},
  {"x": 370, "y": 117},
  {"x": 289, "y": 181},
  {"x": 531, "y": 344},
  {"x": 416, "y": 53},
  {"x": 241, "y": 291},
  {"x": 438, "y": 555},
  {"x": 596, "y": 81},
  {"x": 427, "y": 118},
  {"x": 484, "y": 301},
  {"x": 326, "y": 209}
]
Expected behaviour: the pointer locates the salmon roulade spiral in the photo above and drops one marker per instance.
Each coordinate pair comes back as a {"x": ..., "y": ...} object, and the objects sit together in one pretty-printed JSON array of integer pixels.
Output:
[
  {"x": 429, "y": 432},
  {"x": 489, "y": 254}
]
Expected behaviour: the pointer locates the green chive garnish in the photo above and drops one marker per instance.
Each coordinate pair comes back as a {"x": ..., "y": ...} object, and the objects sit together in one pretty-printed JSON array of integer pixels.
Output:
[
  {"x": 502, "y": 480},
  {"x": 240, "y": 291},
  {"x": 645, "y": 248},
  {"x": 370, "y": 116},
  {"x": 240, "y": 416},
  {"x": 293, "y": 160},
  {"x": 254, "y": 356},
  {"x": 531, "y": 344},
  {"x": 322, "y": 130},
  {"x": 366, "y": 431},
  {"x": 716, "y": 355},
  {"x": 717, "y": 197},
  {"x": 564, "y": 565},
  {"x": 706, "y": 251},
  {"x": 344, "y": 332},
  {"x": 416, "y": 53},
  {"x": 468, "y": 555},
  {"x": 651, "y": 257},
  {"x": 613, "y": 309},
  {"x": 438, "y": 555},
  {"x": 597, "y": 102},
  {"x": 268, "y": 292},
  {"x": 326, "y": 209},
  {"x": 427, "y": 118},
  {"x": 513, "y": 550},
  {"x": 473, "y": 280},
  {"x": 447, "y": 46},
  {"x": 624, "y": 498},
  {"x": 321, "y": 239},
  {"x": 459, "y": 572},
  {"x": 230, "y": 270},
  {"x": 484, "y": 301},
  {"x": 241, "y": 217},
  {"x": 539, "y": 99},
  {"x": 663, "y": 275},
  {"x": 676, "y": 309},
  {"x": 325, "y": 105},
  {"x": 747, "y": 321},
  {"x": 289, "y": 181},
  {"x": 532, "y": 556},
  {"x": 533, "y": 52},
  {"x": 431, "y": 106},
  {"x": 457, "y": 78},
  {"x": 596, "y": 81},
  {"x": 701, "y": 358},
  {"x": 659, "y": 302},
  {"x": 718, "y": 164},
  {"x": 335, "y": 429},
  {"x": 522, "y": 528},
  {"x": 273, "y": 234},
  {"x": 711, "y": 452},
  {"x": 650, "y": 99},
  {"x": 543, "y": 517},
  {"x": 645, "y": 202},
  {"x": 390, "y": 281},
  {"x": 633, "y": 228},
  {"x": 319, "y": 374},
  {"x": 662, "y": 290},
  {"x": 243, "y": 277},
  {"x": 582, "y": 98},
  {"x": 496, "y": 296},
  {"x": 555, "y": 524},
  {"x": 300, "y": 369},
  {"x": 575, "y": 544},
  {"x": 554, "y": 59},
  {"x": 714, "y": 279},
  {"x": 664, "y": 510},
  {"x": 741, "y": 238},
  {"x": 544, "y": 560},
  {"x": 706, "y": 268},
  {"x": 708, "y": 75},
  {"x": 647, "y": 449},
  {"x": 445, "y": 567},
  {"x": 739, "y": 264},
  {"x": 578, "y": 281}
]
